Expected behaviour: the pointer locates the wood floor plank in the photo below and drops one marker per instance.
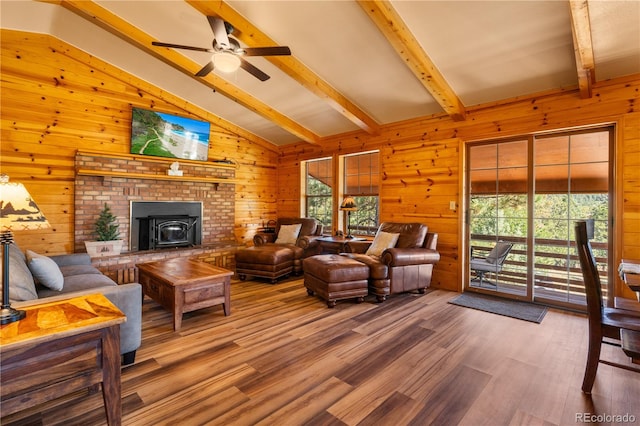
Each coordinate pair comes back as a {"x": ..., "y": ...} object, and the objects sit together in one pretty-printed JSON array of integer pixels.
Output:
[
  {"x": 502, "y": 396},
  {"x": 283, "y": 358},
  {"x": 204, "y": 402},
  {"x": 397, "y": 409},
  {"x": 374, "y": 359},
  {"x": 305, "y": 408},
  {"x": 451, "y": 400}
]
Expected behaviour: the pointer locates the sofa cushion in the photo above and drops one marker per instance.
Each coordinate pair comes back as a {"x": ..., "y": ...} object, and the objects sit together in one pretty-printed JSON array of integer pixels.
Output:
[
  {"x": 45, "y": 270},
  {"x": 71, "y": 270},
  {"x": 381, "y": 242},
  {"x": 288, "y": 234},
  {"x": 377, "y": 269},
  {"x": 21, "y": 284},
  {"x": 76, "y": 283}
]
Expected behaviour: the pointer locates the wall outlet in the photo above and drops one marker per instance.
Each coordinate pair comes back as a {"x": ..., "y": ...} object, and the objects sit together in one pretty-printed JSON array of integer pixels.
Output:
[{"x": 452, "y": 205}]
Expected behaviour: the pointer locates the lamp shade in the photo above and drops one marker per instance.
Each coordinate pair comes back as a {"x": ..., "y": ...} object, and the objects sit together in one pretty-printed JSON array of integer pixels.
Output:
[
  {"x": 348, "y": 204},
  {"x": 18, "y": 211},
  {"x": 225, "y": 62}
]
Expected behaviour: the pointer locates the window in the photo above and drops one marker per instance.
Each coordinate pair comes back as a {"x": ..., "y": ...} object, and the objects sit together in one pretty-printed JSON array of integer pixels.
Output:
[
  {"x": 361, "y": 181},
  {"x": 318, "y": 191}
]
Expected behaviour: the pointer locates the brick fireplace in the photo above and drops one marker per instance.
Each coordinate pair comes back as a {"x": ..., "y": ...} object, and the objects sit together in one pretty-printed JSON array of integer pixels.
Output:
[{"x": 120, "y": 180}]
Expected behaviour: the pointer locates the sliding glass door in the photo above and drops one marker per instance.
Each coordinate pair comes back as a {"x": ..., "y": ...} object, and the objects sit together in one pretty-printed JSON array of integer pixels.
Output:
[
  {"x": 498, "y": 212},
  {"x": 572, "y": 180},
  {"x": 529, "y": 192}
]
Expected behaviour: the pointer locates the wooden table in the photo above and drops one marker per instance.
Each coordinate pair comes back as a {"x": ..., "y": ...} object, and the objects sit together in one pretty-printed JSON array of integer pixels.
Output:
[
  {"x": 62, "y": 347},
  {"x": 184, "y": 285},
  {"x": 630, "y": 340},
  {"x": 629, "y": 275}
]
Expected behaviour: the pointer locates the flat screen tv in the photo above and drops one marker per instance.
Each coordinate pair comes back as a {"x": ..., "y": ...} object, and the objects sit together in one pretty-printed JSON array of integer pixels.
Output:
[{"x": 167, "y": 135}]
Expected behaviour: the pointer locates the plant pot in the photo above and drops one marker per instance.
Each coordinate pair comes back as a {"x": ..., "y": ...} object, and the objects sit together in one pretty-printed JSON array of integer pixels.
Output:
[{"x": 103, "y": 248}]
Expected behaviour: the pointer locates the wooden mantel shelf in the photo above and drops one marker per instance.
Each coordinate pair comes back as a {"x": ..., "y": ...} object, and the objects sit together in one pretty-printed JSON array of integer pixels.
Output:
[
  {"x": 87, "y": 172},
  {"x": 210, "y": 165}
]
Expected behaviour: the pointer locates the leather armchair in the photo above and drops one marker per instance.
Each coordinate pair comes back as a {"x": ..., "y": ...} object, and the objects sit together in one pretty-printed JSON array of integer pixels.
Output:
[
  {"x": 406, "y": 267},
  {"x": 306, "y": 243}
]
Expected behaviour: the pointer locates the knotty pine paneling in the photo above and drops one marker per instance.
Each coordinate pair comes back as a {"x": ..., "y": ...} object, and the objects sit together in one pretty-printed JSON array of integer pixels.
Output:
[
  {"x": 418, "y": 180},
  {"x": 57, "y": 99},
  {"x": 630, "y": 183},
  {"x": 414, "y": 190}
]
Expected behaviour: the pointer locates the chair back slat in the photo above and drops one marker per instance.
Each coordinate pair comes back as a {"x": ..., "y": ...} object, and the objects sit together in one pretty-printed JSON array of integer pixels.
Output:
[
  {"x": 499, "y": 252},
  {"x": 591, "y": 278}
]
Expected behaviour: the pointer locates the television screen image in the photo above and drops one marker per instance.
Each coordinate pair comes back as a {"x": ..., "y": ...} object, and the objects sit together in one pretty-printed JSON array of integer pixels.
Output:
[{"x": 168, "y": 135}]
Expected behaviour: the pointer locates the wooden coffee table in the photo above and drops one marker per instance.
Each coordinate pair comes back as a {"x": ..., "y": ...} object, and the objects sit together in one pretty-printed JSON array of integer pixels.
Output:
[{"x": 184, "y": 285}]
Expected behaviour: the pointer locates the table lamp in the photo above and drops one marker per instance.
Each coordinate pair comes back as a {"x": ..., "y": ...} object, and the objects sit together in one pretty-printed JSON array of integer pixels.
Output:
[
  {"x": 348, "y": 205},
  {"x": 17, "y": 212}
]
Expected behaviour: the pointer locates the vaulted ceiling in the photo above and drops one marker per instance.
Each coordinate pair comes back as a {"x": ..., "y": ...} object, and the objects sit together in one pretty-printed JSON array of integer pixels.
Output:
[{"x": 355, "y": 65}]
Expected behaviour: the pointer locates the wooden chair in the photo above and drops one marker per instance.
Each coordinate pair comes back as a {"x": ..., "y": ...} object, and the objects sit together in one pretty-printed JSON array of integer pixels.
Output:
[{"x": 603, "y": 322}]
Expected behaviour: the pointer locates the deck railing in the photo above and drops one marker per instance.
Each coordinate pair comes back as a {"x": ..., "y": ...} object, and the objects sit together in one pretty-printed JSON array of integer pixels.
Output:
[{"x": 557, "y": 275}]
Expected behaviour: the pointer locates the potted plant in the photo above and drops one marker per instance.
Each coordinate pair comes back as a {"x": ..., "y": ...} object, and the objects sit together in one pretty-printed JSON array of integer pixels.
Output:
[{"x": 107, "y": 231}]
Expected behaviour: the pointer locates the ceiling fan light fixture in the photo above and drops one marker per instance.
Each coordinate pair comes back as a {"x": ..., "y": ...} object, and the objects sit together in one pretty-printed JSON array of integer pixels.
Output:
[{"x": 225, "y": 62}]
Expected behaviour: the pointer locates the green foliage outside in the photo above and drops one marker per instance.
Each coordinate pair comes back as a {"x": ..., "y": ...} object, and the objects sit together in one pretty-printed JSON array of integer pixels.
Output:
[
  {"x": 364, "y": 221},
  {"x": 319, "y": 201},
  {"x": 504, "y": 216},
  {"x": 106, "y": 225},
  {"x": 554, "y": 215}
]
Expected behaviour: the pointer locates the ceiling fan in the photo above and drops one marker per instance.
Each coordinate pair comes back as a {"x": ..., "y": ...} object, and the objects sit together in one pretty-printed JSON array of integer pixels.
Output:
[{"x": 227, "y": 52}]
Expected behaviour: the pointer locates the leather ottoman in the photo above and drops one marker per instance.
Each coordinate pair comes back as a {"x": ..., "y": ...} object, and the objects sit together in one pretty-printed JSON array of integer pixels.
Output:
[
  {"x": 268, "y": 261},
  {"x": 334, "y": 277}
]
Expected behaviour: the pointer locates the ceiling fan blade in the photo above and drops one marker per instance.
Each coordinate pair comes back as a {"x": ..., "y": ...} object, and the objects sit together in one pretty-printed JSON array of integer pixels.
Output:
[
  {"x": 205, "y": 70},
  {"x": 267, "y": 51},
  {"x": 219, "y": 32},
  {"x": 179, "y": 46},
  {"x": 254, "y": 71}
]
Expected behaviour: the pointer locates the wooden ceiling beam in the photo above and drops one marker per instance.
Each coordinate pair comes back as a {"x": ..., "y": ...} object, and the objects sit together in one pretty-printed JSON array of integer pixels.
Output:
[
  {"x": 121, "y": 28},
  {"x": 394, "y": 29},
  {"x": 583, "y": 46},
  {"x": 250, "y": 35}
]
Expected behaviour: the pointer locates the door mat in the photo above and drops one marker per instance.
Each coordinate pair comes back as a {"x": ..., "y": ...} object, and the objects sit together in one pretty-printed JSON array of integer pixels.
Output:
[{"x": 497, "y": 305}]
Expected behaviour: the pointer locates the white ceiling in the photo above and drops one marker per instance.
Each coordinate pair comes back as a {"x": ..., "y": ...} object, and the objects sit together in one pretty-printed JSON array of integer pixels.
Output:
[{"x": 486, "y": 50}]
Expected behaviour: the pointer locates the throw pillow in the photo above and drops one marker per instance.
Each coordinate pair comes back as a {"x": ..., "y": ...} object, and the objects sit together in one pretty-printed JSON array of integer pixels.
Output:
[
  {"x": 45, "y": 270},
  {"x": 21, "y": 285},
  {"x": 381, "y": 242},
  {"x": 288, "y": 234}
]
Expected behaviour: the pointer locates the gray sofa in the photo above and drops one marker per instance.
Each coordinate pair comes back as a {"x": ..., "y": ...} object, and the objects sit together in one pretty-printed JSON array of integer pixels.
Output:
[{"x": 75, "y": 274}]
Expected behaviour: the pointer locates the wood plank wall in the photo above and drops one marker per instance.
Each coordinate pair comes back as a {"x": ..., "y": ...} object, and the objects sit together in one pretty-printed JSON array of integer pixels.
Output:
[
  {"x": 423, "y": 162},
  {"x": 57, "y": 99}
]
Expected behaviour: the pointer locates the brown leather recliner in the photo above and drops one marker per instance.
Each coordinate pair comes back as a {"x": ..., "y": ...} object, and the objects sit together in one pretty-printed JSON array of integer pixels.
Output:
[
  {"x": 305, "y": 245},
  {"x": 406, "y": 267}
]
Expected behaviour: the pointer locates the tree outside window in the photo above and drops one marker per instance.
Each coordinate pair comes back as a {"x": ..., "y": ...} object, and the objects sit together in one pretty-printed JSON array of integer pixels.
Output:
[
  {"x": 319, "y": 192},
  {"x": 361, "y": 181}
]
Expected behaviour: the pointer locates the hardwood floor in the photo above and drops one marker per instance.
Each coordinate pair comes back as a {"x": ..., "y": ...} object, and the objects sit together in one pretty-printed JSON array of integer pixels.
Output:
[{"x": 283, "y": 358}]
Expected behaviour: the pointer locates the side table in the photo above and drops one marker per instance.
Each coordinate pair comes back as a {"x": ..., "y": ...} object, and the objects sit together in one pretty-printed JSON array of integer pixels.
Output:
[
  {"x": 335, "y": 245},
  {"x": 62, "y": 347}
]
